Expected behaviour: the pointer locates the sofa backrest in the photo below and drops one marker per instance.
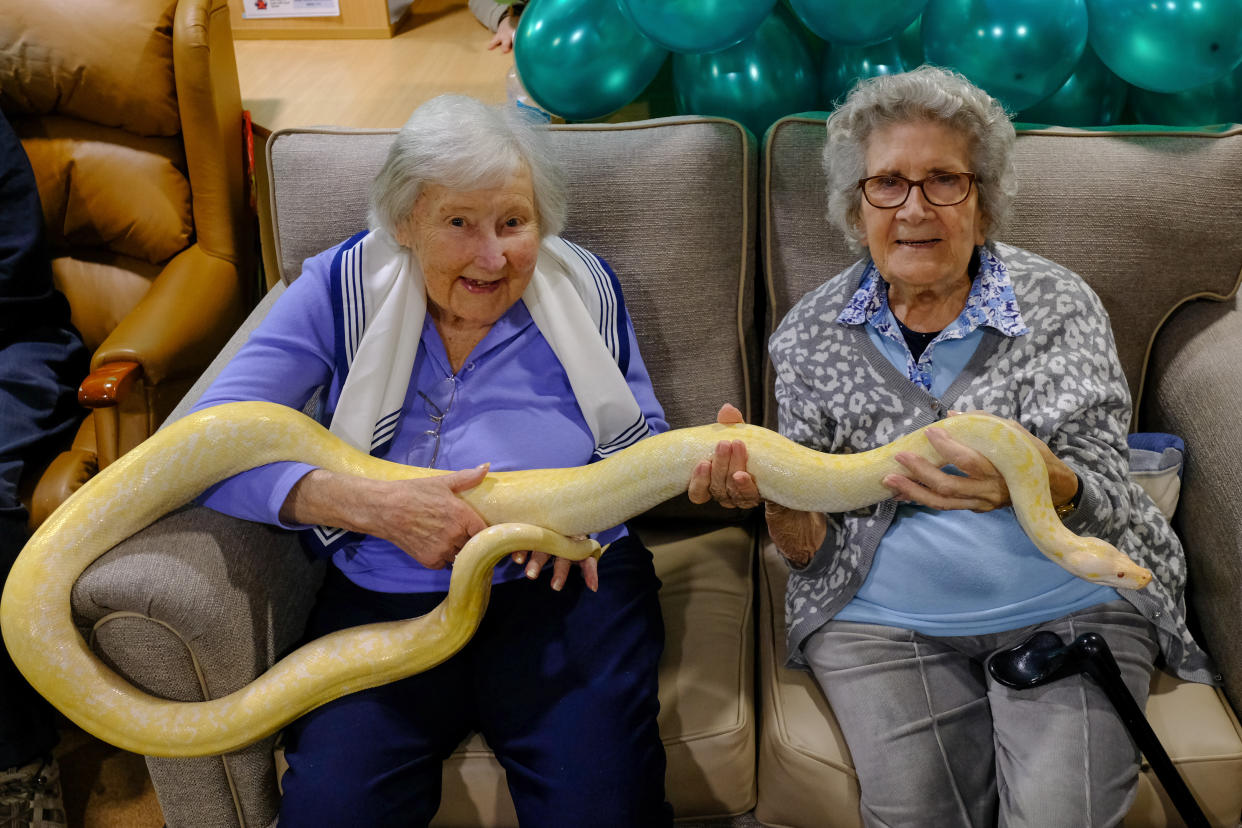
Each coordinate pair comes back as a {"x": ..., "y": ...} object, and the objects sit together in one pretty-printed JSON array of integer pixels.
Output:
[
  {"x": 669, "y": 203},
  {"x": 1150, "y": 219}
]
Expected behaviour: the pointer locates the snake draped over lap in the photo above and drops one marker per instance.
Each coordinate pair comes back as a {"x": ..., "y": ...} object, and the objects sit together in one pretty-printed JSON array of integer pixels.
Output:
[{"x": 524, "y": 509}]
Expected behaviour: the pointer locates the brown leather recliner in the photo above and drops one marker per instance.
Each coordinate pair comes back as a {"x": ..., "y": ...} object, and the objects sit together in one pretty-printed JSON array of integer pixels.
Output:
[{"x": 131, "y": 115}]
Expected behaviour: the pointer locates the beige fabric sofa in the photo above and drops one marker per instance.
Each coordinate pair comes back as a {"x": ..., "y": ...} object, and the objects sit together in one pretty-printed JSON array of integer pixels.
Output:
[{"x": 198, "y": 604}]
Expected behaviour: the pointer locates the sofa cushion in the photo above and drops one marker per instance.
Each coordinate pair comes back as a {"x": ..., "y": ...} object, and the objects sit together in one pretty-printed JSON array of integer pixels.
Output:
[
  {"x": 53, "y": 60},
  {"x": 1077, "y": 205},
  {"x": 805, "y": 768},
  {"x": 1156, "y": 462}
]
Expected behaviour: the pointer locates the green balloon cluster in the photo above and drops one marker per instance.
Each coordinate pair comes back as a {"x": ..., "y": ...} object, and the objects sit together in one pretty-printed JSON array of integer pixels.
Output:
[{"x": 1066, "y": 62}]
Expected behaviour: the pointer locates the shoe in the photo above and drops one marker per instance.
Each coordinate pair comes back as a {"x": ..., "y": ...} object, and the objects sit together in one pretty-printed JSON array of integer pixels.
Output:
[{"x": 30, "y": 796}]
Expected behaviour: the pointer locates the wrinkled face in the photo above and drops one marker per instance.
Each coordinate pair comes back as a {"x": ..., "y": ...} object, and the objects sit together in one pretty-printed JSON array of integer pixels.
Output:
[
  {"x": 919, "y": 245},
  {"x": 477, "y": 248}
]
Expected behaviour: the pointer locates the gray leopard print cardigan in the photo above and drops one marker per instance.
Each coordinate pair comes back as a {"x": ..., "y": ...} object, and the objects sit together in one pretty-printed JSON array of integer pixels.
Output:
[{"x": 1063, "y": 381}]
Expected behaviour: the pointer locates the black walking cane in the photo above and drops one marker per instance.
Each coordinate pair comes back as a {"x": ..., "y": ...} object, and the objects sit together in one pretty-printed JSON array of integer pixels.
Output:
[{"x": 1044, "y": 658}]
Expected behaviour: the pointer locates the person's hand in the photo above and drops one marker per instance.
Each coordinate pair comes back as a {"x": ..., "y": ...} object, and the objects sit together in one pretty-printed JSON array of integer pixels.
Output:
[
  {"x": 724, "y": 477},
  {"x": 982, "y": 488},
  {"x": 797, "y": 535},
  {"x": 561, "y": 568},
  {"x": 427, "y": 520},
  {"x": 503, "y": 39},
  {"x": 424, "y": 517}
]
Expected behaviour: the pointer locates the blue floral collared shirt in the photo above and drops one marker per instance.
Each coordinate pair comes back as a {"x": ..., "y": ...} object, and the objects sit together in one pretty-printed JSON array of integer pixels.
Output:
[{"x": 991, "y": 302}]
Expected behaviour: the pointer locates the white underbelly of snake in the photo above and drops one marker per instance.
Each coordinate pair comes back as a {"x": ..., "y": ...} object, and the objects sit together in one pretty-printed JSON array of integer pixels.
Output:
[{"x": 525, "y": 509}]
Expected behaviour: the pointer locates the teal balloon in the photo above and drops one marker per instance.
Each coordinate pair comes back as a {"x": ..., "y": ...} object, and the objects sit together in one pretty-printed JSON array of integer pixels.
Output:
[
  {"x": 857, "y": 23},
  {"x": 1218, "y": 102},
  {"x": 1020, "y": 51},
  {"x": 763, "y": 78},
  {"x": 582, "y": 59},
  {"x": 689, "y": 26},
  {"x": 844, "y": 66},
  {"x": 1167, "y": 45},
  {"x": 910, "y": 43},
  {"x": 1092, "y": 97}
]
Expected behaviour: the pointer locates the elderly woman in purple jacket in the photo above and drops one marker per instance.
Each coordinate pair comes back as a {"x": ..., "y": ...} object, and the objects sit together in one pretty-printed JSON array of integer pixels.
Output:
[{"x": 462, "y": 333}]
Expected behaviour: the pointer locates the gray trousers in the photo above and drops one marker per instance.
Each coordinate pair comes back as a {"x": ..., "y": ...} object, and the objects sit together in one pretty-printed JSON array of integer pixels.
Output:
[{"x": 937, "y": 742}]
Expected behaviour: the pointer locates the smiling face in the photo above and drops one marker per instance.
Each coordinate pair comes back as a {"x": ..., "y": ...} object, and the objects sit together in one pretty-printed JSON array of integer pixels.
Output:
[
  {"x": 919, "y": 246},
  {"x": 477, "y": 249}
]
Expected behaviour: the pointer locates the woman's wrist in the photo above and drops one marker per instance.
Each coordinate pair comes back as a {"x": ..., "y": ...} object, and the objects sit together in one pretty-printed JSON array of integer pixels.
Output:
[
  {"x": 1065, "y": 508},
  {"x": 327, "y": 498}
]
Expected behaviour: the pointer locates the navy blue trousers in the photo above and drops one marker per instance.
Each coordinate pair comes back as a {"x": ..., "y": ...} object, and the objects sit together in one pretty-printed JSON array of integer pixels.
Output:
[
  {"x": 38, "y": 414},
  {"x": 42, "y": 360},
  {"x": 562, "y": 686}
]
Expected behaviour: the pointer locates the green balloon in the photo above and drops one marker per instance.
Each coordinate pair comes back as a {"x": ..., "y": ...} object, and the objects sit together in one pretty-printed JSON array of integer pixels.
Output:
[
  {"x": 763, "y": 78},
  {"x": 1170, "y": 45},
  {"x": 857, "y": 23},
  {"x": 1219, "y": 102},
  {"x": 844, "y": 66},
  {"x": 696, "y": 25},
  {"x": 582, "y": 59},
  {"x": 910, "y": 42},
  {"x": 1020, "y": 51},
  {"x": 1092, "y": 97}
]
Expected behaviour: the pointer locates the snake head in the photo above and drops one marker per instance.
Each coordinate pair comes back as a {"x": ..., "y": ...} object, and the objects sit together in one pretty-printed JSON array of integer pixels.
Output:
[{"x": 1111, "y": 567}]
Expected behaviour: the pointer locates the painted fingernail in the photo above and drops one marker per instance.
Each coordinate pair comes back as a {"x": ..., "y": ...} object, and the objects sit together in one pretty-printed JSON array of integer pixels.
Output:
[
  {"x": 532, "y": 571},
  {"x": 519, "y": 558},
  {"x": 557, "y": 583}
]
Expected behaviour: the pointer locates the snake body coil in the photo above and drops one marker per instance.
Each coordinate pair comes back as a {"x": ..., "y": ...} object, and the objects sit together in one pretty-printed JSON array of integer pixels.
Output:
[{"x": 180, "y": 461}]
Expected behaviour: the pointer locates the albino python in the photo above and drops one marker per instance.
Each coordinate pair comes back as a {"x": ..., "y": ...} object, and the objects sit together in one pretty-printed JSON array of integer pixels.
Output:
[{"x": 180, "y": 461}]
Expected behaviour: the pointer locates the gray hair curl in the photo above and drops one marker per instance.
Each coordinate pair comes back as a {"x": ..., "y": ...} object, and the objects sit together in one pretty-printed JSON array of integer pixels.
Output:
[
  {"x": 461, "y": 143},
  {"x": 928, "y": 93}
]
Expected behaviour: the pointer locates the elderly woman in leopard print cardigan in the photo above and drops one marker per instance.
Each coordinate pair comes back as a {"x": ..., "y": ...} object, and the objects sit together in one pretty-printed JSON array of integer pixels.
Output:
[{"x": 896, "y": 609}]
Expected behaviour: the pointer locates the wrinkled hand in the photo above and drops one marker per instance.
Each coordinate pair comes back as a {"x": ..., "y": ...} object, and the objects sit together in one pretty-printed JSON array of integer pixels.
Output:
[
  {"x": 724, "y": 478},
  {"x": 427, "y": 520},
  {"x": 424, "y": 517},
  {"x": 503, "y": 39},
  {"x": 981, "y": 489},
  {"x": 560, "y": 568}
]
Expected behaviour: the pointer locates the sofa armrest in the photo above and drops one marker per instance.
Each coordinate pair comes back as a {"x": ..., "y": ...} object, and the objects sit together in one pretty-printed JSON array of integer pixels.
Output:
[
  {"x": 108, "y": 384},
  {"x": 1195, "y": 391},
  {"x": 192, "y": 308},
  {"x": 193, "y": 607}
]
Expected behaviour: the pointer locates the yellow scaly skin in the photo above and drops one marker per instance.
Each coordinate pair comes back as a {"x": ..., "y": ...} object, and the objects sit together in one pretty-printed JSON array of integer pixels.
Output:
[{"x": 526, "y": 509}]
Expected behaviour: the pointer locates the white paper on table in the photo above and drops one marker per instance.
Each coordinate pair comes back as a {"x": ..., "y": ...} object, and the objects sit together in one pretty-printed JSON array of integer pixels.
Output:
[{"x": 252, "y": 9}]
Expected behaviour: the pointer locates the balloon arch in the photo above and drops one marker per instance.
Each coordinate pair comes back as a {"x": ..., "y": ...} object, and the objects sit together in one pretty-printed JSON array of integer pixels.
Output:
[{"x": 1086, "y": 63}]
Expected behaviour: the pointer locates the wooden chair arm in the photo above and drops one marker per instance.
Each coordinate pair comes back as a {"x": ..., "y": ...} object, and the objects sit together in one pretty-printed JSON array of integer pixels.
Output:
[{"x": 108, "y": 384}]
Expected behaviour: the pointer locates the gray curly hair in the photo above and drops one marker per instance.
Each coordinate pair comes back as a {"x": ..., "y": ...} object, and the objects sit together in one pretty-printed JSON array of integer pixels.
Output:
[
  {"x": 928, "y": 93},
  {"x": 462, "y": 143}
]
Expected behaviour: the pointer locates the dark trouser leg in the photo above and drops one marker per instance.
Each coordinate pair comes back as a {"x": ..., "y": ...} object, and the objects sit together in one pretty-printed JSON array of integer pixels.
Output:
[
  {"x": 38, "y": 413},
  {"x": 567, "y": 695},
  {"x": 373, "y": 758}
]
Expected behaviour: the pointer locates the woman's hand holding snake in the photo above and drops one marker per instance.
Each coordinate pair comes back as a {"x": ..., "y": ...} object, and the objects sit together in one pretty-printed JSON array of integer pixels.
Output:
[
  {"x": 980, "y": 487},
  {"x": 423, "y": 517},
  {"x": 726, "y": 479}
]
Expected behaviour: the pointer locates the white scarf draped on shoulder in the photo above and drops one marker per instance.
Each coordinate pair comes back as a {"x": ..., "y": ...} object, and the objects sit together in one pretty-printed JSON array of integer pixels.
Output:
[{"x": 379, "y": 304}]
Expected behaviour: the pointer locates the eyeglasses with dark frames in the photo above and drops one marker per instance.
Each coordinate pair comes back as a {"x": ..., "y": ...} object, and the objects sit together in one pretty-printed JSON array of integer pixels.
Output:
[
  {"x": 943, "y": 189},
  {"x": 437, "y": 401}
]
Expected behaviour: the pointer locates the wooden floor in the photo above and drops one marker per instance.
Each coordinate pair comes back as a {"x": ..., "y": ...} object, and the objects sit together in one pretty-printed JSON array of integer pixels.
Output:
[
  {"x": 371, "y": 83},
  {"x": 439, "y": 48}
]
